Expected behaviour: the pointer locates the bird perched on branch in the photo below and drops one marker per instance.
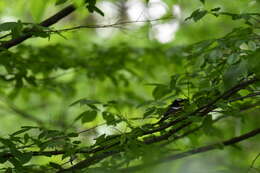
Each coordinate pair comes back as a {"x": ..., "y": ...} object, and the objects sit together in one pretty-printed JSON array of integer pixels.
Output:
[{"x": 176, "y": 106}]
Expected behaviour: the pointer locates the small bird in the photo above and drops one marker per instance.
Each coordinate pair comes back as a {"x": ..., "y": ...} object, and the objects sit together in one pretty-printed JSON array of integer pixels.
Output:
[{"x": 176, "y": 106}]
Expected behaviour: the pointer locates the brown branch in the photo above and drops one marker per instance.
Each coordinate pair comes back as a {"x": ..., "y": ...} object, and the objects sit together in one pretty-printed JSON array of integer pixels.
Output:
[
  {"x": 244, "y": 97},
  {"x": 46, "y": 23},
  {"x": 226, "y": 95},
  {"x": 89, "y": 161},
  {"x": 196, "y": 150},
  {"x": 204, "y": 110},
  {"x": 101, "y": 156},
  {"x": 191, "y": 131},
  {"x": 167, "y": 135}
]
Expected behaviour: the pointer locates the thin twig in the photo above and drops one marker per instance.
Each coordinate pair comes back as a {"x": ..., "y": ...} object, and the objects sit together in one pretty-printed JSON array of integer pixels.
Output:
[
  {"x": 116, "y": 25},
  {"x": 253, "y": 162},
  {"x": 244, "y": 97}
]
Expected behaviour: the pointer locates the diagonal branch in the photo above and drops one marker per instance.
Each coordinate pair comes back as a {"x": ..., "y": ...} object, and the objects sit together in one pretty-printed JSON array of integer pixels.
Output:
[
  {"x": 247, "y": 96},
  {"x": 46, "y": 23},
  {"x": 114, "y": 148},
  {"x": 202, "y": 110},
  {"x": 197, "y": 150}
]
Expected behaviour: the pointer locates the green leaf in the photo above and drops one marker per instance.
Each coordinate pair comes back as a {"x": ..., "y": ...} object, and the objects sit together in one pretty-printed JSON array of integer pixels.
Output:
[
  {"x": 76, "y": 142},
  {"x": 215, "y": 9},
  {"x": 215, "y": 54},
  {"x": 149, "y": 111},
  {"x": 207, "y": 123},
  {"x": 88, "y": 116},
  {"x": 26, "y": 138},
  {"x": 84, "y": 101},
  {"x": 17, "y": 30},
  {"x": 197, "y": 15},
  {"x": 123, "y": 139},
  {"x": 252, "y": 45},
  {"x": 55, "y": 165},
  {"x": 25, "y": 157},
  {"x": 200, "y": 61},
  {"x": 109, "y": 117},
  {"x": 8, "y": 26},
  {"x": 100, "y": 139},
  {"x": 59, "y": 2},
  {"x": 16, "y": 163},
  {"x": 20, "y": 131},
  {"x": 73, "y": 135},
  {"x": 253, "y": 62},
  {"x": 98, "y": 11},
  {"x": 233, "y": 74},
  {"x": 233, "y": 58},
  {"x": 160, "y": 91},
  {"x": 78, "y": 117}
]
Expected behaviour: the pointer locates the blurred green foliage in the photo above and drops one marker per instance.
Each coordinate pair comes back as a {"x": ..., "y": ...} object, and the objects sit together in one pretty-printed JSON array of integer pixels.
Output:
[{"x": 119, "y": 79}]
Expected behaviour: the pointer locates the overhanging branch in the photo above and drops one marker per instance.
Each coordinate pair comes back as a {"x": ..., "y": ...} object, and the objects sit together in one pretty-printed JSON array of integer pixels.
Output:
[
  {"x": 197, "y": 150},
  {"x": 46, "y": 23}
]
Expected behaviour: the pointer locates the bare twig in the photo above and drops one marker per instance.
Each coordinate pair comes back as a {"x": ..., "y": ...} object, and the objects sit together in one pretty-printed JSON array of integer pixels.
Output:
[{"x": 115, "y": 25}]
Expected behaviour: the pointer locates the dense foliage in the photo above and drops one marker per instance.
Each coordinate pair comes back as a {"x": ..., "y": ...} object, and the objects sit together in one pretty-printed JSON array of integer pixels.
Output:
[{"x": 73, "y": 100}]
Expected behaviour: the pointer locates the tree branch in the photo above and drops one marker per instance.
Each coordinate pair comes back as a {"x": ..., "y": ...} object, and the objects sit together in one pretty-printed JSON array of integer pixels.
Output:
[
  {"x": 197, "y": 150},
  {"x": 115, "y": 144},
  {"x": 244, "y": 97},
  {"x": 46, "y": 23},
  {"x": 204, "y": 110}
]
